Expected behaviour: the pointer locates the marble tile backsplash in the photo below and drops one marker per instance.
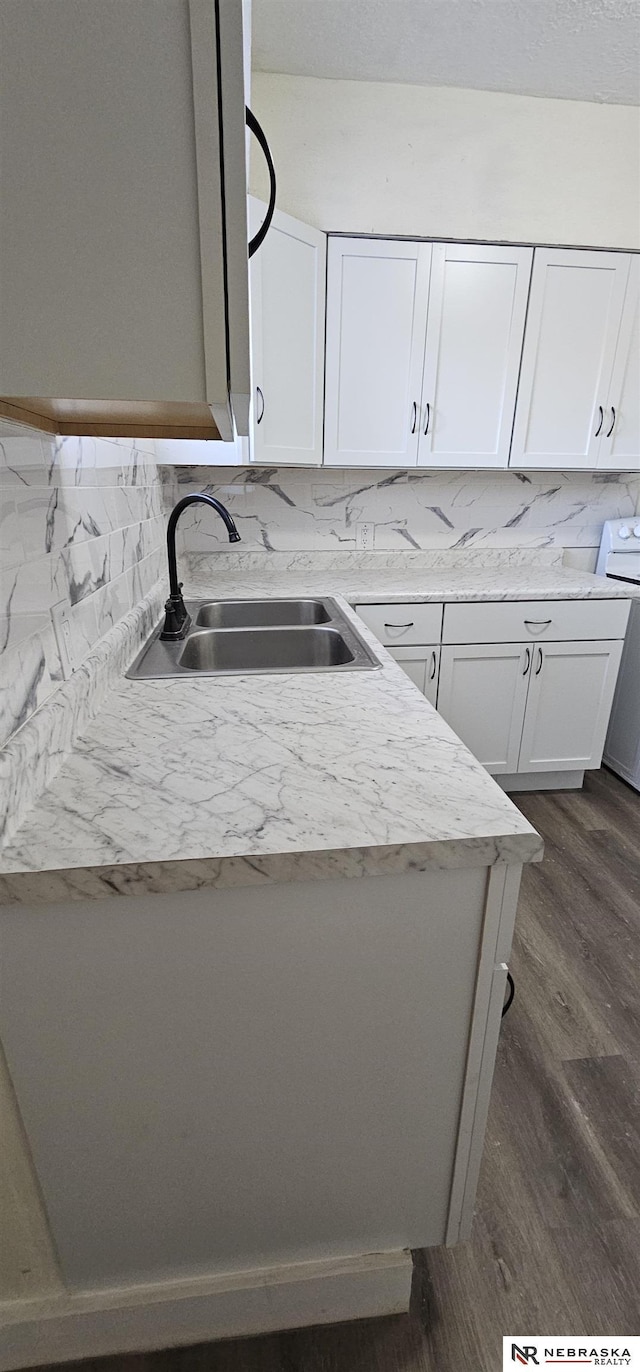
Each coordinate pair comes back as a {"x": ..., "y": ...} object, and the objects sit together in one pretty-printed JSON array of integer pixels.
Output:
[
  {"x": 81, "y": 535},
  {"x": 288, "y": 510}
]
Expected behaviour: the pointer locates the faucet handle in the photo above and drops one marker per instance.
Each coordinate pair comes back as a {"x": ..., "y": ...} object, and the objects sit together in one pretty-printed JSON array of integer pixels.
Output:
[{"x": 177, "y": 619}]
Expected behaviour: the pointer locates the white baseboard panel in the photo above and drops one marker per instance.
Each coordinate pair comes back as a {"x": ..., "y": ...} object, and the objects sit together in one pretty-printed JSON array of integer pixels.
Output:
[
  {"x": 130, "y": 1319},
  {"x": 541, "y": 781}
]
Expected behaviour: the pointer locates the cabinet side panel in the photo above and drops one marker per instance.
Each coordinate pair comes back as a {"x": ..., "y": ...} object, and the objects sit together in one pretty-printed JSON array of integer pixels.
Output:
[
  {"x": 246, "y": 1077},
  {"x": 234, "y": 170},
  {"x": 101, "y": 290}
]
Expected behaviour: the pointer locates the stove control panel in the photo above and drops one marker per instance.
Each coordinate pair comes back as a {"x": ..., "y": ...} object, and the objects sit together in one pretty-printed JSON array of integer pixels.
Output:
[{"x": 620, "y": 541}]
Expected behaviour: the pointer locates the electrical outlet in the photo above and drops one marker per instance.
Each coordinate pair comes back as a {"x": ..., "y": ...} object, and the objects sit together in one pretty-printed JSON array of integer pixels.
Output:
[
  {"x": 64, "y": 637},
  {"x": 365, "y": 536}
]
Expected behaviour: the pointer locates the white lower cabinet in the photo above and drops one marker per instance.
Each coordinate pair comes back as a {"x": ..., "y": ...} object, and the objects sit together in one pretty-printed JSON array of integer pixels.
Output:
[
  {"x": 421, "y": 664},
  {"x": 534, "y": 697},
  {"x": 483, "y": 696},
  {"x": 411, "y": 633},
  {"x": 568, "y": 705},
  {"x": 530, "y": 707}
]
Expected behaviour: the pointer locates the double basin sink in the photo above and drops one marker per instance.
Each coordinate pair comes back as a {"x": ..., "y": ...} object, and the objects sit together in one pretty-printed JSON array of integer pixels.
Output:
[{"x": 251, "y": 636}]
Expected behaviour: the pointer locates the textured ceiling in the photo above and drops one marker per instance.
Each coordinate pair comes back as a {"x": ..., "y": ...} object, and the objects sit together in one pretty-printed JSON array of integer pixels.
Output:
[{"x": 571, "y": 49}]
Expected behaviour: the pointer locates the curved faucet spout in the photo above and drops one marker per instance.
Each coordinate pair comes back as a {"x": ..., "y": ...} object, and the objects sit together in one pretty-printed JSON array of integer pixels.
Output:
[{"x": 177, "y": 619}]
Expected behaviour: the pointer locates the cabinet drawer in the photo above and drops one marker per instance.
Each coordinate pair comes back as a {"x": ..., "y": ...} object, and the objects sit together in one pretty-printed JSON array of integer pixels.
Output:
[
  {"x": 403, "y": 623},
  {"x": 521, "y": 621}
]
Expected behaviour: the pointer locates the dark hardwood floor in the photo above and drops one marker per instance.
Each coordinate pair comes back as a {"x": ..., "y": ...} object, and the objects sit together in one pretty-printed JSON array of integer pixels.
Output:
[{"x": 556, "y": 1240}]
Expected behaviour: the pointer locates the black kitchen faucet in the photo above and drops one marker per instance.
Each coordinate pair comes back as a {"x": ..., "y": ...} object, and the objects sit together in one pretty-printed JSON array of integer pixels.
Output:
[{"x": 177, "y": 619}]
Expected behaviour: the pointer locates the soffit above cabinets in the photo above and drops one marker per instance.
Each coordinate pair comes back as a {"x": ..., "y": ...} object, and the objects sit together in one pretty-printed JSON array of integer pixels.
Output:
[{"x": 565, "y": 49}]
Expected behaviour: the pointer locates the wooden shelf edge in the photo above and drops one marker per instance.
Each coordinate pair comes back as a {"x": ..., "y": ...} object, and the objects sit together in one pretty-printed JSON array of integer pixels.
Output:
[{"x": 112, "y": 419}]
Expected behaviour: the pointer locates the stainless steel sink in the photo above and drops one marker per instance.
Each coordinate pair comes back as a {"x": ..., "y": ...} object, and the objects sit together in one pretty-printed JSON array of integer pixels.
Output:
[
  {"x": 260, "y": 614},
  {"x": 246, "y": 637},
  {"x": 264, "y": 650}
]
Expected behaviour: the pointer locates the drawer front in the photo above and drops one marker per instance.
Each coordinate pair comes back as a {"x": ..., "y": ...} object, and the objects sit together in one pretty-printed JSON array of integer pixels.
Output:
[
  {"x": 537, "y": 621},
  {"x": 403, "y": 623}
]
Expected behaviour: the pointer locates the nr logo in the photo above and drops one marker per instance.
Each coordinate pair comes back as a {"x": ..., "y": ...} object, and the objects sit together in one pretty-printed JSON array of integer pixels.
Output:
[{"x": 527, "y": 1354}]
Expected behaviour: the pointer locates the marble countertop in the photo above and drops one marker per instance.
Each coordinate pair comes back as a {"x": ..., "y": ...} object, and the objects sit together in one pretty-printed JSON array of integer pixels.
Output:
[
  {"x": 379, "y": 577},
  {"x": 178, "y": 785}
]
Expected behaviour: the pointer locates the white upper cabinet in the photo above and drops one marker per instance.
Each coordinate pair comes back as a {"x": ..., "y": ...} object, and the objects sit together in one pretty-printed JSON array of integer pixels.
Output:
[
  {"x": 620, "y": 438},
  {"x": 573, "y": 324},
  {"x": 377, "y": 293},
  {"x": 423, "y": 350},
  {"x": 123, "y": 217},
  {"x": 288, "y": 281},
  {"x": 477, "y": 307}
]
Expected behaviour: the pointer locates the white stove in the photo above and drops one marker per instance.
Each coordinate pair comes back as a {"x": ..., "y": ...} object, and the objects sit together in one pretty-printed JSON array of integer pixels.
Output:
[
  {"x": 619, "y": 559},
  {"x": 619, "y": 555}
]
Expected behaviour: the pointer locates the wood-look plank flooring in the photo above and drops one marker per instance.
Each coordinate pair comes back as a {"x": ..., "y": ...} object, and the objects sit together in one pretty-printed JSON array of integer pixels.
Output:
[{"x": 556, "y": 1240}]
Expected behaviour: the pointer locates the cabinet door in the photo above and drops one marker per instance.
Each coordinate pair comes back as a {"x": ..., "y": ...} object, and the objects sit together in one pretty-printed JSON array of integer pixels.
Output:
[
  {"x": 568, "y": 706},
  {"x": 414, "y": 662},
  {"x": 620, "y": 441},
  {"x": 422, "y": 665},
  {"x": 287, "y": 340},
  {"x": 573, "y": 321},
  {"x": 377, "y": 295},
  {"x": 482, "y": 695},
  {"x": 475, "y": 328}
]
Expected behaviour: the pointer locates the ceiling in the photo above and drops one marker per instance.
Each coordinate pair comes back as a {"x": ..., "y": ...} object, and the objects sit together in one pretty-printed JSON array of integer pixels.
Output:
[{"x": 571, "y": 49}]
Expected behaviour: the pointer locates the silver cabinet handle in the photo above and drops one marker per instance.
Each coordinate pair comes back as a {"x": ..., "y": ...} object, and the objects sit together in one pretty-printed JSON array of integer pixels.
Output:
[
  {"x": 434, "y": 663},
  {"x": 539, "y": 623},
  {"x": 527, "y": 661},
  {"x": 613, "y": 421},
  {"x": 426, "y": 427},
  {"x": 399, "y": 626},
  {"x": 260, "y": 417},
  {"x": 601, "y": 412},
  {"x": 414, "y": 414},
  {"x": 539, "y": 667}
]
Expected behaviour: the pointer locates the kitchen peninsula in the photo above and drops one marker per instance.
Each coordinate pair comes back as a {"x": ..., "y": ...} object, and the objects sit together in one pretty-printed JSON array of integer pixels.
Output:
[{"x": 255, "y": 936}]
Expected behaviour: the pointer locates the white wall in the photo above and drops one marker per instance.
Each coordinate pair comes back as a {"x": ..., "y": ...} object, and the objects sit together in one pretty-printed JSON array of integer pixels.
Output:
[{"x": 441, "y": 162}]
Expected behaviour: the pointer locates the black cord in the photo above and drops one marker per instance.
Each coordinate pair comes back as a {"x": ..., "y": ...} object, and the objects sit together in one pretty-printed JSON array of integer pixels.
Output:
[
  {"x": 512, "y": 990},
  {"x": 258, "y": 133}
]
